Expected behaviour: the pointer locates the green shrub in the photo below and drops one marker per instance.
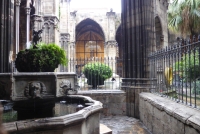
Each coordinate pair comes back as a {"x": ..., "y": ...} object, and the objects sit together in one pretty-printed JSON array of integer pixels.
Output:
[
  {"x": 97, "y": 73},
  {"x": 44, "y": 58}
]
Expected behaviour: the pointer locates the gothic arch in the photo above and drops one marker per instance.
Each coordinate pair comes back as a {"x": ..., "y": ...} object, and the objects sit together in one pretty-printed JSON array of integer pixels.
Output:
[
  {"x": 90, "y": 40},
  {"x": 158, "y": 33},
  {"x": 91, "y": 19},
  {"x": 118, "y": 38}
]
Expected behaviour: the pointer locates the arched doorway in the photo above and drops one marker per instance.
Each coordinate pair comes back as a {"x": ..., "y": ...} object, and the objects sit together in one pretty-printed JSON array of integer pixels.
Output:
[
  {"x": 89, "y": 43},
  {"x": 120, "y": 51},
  {"x": 159, "y": 33}
]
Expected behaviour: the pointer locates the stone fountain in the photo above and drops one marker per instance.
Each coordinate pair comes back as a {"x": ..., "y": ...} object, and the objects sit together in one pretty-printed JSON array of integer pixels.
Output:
[{"x": 34, "y": 96}]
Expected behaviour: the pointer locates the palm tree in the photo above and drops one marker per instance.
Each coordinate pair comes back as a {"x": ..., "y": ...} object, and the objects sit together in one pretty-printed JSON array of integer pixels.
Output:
[{"x": 184, "y": 17}]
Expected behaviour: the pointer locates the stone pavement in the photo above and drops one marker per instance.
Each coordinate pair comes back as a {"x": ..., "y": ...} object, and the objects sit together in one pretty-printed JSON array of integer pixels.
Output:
[{"x": 124, "y": 125}]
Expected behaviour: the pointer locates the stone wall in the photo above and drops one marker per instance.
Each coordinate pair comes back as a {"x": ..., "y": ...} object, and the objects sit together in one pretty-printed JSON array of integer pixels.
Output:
[
  {"x": 162, "y": 115},
  {"x": 114, "y": 101}
]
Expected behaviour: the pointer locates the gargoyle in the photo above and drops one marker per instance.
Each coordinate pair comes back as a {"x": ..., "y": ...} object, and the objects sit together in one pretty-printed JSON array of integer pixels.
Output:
[{"x": 36, "y": 37}]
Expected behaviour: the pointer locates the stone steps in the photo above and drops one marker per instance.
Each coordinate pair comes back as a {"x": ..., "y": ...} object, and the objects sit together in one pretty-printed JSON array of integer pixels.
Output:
[{"x": 104, "y": 129}]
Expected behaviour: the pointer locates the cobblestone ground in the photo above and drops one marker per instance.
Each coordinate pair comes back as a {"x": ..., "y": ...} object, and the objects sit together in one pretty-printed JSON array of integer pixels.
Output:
[{"x": 124, "y": 125}]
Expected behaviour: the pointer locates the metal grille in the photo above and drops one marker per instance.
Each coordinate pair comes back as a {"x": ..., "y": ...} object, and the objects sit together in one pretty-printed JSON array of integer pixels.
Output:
[{"x": 177, "y": 70}]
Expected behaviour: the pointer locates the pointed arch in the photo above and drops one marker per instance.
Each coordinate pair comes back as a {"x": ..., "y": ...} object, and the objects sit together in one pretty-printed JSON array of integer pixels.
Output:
[
  {"x": 89, "y": 24},
  {"x": 158, "y": 33}
]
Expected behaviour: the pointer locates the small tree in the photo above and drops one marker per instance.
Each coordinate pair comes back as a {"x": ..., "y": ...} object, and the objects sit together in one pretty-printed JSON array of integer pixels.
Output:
[{"x": 96, "y": 73}]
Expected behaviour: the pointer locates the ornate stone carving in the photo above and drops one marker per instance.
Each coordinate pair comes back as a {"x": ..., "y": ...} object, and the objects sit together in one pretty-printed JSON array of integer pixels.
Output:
[
  {"x": 111, "y": 13},
  {"x": 17, "y": 2},
  {"x": 111, "y": 43},
  {"x": 64, "y": 37},
  {"x": 73, "y": 14},
  {"x": 36, "y": 37},
  {"x": 36, "y": 20},
  {"x": 35, "y": 89},
  {"x": 28, "y": 10},
  {"x": 65, "y": 88},
  {"x": 50, "y": 20}
]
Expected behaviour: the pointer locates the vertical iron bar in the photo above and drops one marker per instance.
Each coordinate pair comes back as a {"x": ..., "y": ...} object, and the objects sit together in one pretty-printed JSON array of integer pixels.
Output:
[
  {"x": 195, "y": 90},
  {"x": 190, "y": 73}
]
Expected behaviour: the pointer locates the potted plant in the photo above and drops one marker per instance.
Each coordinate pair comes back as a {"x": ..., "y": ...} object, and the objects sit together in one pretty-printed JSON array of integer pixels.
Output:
[
  {"x": 96, "y": 73},
  {"x": 43, "y": 58}
]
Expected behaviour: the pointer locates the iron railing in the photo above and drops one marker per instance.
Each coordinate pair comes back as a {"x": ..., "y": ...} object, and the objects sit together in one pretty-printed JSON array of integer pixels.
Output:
[
  {"x": 177, "y": 70},
  {"x": 77, "y": 65}
]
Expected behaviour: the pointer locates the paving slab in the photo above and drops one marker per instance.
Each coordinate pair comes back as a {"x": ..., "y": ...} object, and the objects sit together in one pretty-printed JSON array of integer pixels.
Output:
[{"x": 124, "y": 125}]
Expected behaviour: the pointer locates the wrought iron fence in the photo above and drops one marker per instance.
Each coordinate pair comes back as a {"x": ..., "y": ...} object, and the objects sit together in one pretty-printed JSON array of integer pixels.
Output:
[
  {"x": 177, "y": 70},
  {"x": 115, "y": 64}
]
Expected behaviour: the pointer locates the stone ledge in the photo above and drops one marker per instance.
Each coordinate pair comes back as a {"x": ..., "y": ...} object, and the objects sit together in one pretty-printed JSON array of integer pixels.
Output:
[
  {"x": 101, "y": 92},
  {"x": 185, "y": 114}
]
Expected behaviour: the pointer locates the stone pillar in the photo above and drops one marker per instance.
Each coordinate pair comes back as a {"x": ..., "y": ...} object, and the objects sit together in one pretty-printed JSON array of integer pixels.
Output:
[
  {"x": 64, "y": 43},
  {"x": 17, "y": 11},
  {"x": 110, "y": 53},
  {"x": 133, "y": 87},
  {"x": 138, "y": 33},
  {"x": 50, "y": 31},
  {"x": 111, "y": 25},
  {"x": 36, "y": 22},
  {"x": 6, "y": 34},
  {"x": 72, "y": 59},
  {"x": 64, "y": 16},
  {"x": 28, "y": 10}
]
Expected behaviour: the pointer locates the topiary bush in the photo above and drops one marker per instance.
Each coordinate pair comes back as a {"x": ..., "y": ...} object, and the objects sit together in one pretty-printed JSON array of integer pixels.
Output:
[
  {"x": 96, "y": 73},
  {"x": 44, "y": 58}
]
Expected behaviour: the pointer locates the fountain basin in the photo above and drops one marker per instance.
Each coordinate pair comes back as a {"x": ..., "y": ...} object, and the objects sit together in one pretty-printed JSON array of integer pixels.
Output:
[
  {"x": 85, "y": 121},
  {"x": 48, "y": 85}
]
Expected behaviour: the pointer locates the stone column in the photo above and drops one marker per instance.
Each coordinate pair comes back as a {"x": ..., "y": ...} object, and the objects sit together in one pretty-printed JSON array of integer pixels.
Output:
[
  {"x": 72, "y": 60},
  {"x": 111, "y": 25},
  {"x": 64, "y": 41},
  {"x": 17, "y": 11},
  {"x": 28, "y": 10},
  {"x": 50, "y": 31},
  {"x": 138, "y": 33},
  {"x": 36, "y": 22},
  {"x": 110, "y": 52},
  {"x": 6, "y": 34}
]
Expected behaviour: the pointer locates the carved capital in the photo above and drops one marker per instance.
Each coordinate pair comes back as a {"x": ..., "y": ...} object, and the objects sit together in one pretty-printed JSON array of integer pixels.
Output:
[
  {"x": 111, "y": 43},
  {"x": 64, "y": 37},
  {"x": 50, "y": 20},
  {"x": 17, "y": 2},
  {"x": 28, "y": 10}
]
